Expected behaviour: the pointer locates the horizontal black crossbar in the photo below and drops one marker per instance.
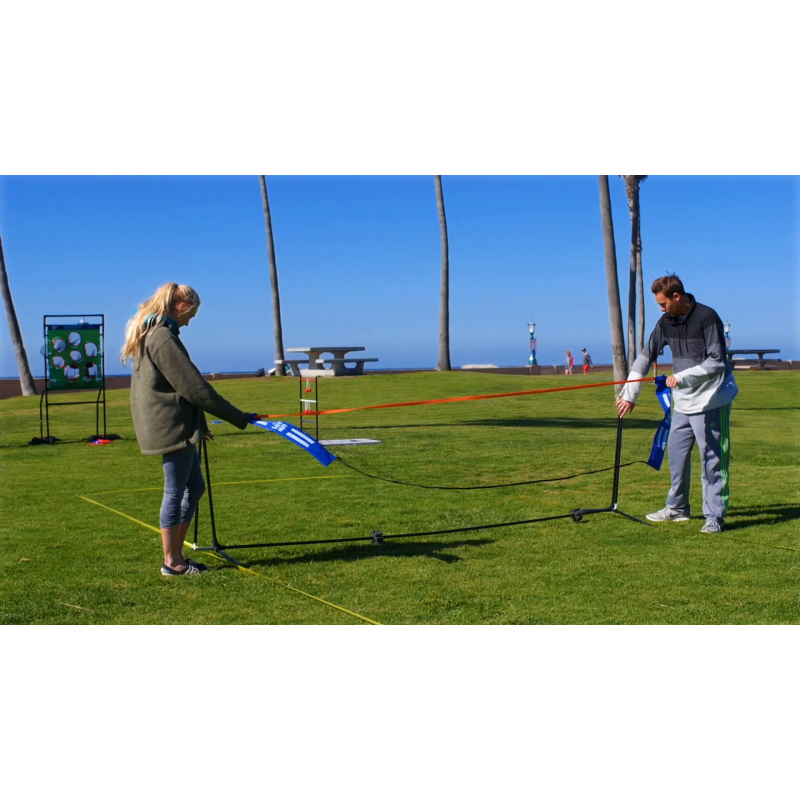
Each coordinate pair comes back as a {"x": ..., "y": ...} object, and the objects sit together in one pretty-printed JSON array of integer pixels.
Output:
[{"x": 571, "y": 515}]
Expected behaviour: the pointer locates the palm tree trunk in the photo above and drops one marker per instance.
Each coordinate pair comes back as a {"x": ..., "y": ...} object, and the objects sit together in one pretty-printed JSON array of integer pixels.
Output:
[
  {"x": 632, "y": 190},
  {"x": 614, "y": 309},
  {"x": 444, "y": 291},
  {"x": 273, "y": 280},
  {"x": 640, "y": 282},
  {"x": 26, "y": 381}
]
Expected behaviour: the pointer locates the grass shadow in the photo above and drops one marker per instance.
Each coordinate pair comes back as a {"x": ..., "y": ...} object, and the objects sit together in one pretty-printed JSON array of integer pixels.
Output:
[
  {"x": 776, "y": 514},
  {"x": 388, "y": 549}
]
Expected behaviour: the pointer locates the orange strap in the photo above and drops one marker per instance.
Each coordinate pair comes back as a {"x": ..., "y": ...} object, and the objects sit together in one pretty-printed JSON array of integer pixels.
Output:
[{"x": 456, "y": 399}]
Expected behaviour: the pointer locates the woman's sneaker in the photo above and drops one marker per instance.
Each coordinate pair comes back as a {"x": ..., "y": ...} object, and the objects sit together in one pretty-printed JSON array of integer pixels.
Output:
[
  {"x": 192, "y": 568},
  {"x": 667, "y": 515}
]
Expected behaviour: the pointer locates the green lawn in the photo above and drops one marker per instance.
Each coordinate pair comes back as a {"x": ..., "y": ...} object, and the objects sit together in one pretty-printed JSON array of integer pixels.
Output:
[{"x": 66, "y": 560}]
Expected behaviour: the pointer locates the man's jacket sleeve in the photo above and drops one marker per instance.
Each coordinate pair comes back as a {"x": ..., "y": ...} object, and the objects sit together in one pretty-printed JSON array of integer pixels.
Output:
[{"x": 641, "y": 366}]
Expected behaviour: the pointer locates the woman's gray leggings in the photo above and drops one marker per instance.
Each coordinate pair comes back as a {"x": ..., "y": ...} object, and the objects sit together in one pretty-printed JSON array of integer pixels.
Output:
[{"x": 183, "y": 486}]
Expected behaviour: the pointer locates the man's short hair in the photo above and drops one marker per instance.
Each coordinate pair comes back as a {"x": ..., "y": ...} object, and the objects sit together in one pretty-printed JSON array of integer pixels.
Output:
[{"x": 668, "y": 285}]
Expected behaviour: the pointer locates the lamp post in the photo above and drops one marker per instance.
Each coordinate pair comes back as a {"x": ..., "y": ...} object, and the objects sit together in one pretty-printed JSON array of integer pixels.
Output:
[
  {"x": 532, "y": 332},
  {"x": 727, "y": 328}
]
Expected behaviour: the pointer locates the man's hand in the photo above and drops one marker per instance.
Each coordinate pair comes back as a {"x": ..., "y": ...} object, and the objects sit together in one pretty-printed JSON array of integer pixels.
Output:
[
  {"x": 672, "y": 382},
  {"x": 208, "y": 436},
  {"x": 624, "y": 407}
]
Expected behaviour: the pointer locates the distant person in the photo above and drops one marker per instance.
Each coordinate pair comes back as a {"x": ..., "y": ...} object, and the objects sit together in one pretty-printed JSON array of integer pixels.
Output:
[
  {"x": 168, "y": 398},
  {"x": 569, "y": 364},
  {"x": 587, "y": 361},
  {"x": 703, "y": 388}
]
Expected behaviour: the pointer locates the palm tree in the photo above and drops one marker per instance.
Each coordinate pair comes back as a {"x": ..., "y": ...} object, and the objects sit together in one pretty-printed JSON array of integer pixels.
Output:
[
  {"x": 639, "y": 278},
  {"x": 444, "y": 291},
  {"x": 273, "y": 280},
  {"x": 614, "y": 309},
  {"x": 25, "y": 377},
  {"x": 635, "y": 278}
]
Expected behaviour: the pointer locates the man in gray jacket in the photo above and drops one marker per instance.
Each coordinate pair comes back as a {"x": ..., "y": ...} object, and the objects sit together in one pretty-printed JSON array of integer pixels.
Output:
[{"x": 703, "y": 389}]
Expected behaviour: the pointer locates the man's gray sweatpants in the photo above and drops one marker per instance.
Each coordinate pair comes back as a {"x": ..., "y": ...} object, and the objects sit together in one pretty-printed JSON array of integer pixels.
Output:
[{"x": 711, "y": 430}]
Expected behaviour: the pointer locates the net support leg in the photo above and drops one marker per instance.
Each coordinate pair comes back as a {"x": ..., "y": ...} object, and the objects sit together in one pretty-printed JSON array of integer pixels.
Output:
[
  {"x": 635, "y": 519},
  {"x": 579, "y": 513},
  {"x": 204, "y": 448}
]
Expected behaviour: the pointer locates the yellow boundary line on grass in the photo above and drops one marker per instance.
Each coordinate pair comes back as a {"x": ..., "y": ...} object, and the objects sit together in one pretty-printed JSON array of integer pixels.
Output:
[
  {"x": 234, "y": 483},
  {"x": 240, "y": 567}
]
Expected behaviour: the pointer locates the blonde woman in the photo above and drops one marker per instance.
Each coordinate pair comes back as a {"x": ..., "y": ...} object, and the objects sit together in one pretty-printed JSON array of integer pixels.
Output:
[
  {"x": 569, "y": 364},
  {"x": 168, "y": 398}
]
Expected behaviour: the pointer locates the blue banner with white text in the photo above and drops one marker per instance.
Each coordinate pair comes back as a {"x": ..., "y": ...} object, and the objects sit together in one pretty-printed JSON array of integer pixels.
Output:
[
  {"x": 664, "y": 395},
  {"x": 300, "y": 438}
]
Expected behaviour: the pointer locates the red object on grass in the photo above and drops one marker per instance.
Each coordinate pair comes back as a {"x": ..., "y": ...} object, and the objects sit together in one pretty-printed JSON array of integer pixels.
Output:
[{"x": 102, "y": 441}]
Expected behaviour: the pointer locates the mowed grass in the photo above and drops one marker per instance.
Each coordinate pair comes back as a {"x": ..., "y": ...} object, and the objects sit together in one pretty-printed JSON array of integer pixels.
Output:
[{"x": 69, "y": 561}]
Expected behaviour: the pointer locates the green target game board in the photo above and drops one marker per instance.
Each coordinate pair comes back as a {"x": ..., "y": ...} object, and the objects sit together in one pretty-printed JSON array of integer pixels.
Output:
[{"x": 74, "y": 357}]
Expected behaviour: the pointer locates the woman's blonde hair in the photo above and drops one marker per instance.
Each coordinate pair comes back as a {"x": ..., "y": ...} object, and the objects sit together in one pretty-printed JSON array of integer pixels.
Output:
[{"x": 151, "y": 312}]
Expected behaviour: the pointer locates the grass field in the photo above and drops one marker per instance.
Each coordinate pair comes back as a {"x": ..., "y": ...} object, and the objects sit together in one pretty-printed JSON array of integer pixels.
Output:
[{"x": 70, "y": 561}]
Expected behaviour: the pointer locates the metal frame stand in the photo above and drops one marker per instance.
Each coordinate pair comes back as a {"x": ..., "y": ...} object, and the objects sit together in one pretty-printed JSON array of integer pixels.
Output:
[
  {"x": 579, "y": 513},
  {"x": 44, "y": 419},
  {"x": 379, "y": 537}
]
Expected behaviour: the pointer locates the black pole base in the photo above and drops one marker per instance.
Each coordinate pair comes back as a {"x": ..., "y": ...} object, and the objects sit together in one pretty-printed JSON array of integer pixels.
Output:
[
  {"x": 44, "y": 440},
  {"x": 578, "y": 514}
]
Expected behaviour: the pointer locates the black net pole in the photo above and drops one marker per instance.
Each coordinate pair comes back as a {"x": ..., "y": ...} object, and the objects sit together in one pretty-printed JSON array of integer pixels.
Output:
[
  {"x": 617, "y": 459},
  {"x": 210, "y": 499}
]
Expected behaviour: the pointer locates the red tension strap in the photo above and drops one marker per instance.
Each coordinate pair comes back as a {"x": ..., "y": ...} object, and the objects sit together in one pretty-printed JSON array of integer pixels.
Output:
[{"x": 456, "y": 399}]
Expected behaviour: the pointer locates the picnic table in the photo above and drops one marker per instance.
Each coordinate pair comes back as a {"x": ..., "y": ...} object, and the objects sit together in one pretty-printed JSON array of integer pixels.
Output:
[
  {"x": 760, "y": 353},
  {"x": 313, "y": 356}
]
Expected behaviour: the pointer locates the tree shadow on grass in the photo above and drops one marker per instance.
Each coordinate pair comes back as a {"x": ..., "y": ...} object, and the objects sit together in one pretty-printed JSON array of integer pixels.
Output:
[
  {"x": 776, "y": 514},
  {"x": 389, "y": 549}
]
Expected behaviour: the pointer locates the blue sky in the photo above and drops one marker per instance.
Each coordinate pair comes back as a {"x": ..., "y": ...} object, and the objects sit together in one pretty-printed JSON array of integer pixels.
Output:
[{"x": 359, "y": 260}]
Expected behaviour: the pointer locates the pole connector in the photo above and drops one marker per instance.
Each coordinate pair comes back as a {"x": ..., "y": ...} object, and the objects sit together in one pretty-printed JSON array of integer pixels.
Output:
[
  {"x": 577, "y": 515},
  {"x": 377, "y": 537}
]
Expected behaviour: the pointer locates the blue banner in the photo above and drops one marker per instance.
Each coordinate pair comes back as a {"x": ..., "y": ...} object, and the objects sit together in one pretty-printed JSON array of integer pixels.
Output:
[
  {"x": 300, "y": 438},
  {"x": 664, "y": 395}
]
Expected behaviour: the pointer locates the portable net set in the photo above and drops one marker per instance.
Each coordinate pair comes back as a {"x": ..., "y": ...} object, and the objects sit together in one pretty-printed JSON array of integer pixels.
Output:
[{"x": 474, "y": 443}]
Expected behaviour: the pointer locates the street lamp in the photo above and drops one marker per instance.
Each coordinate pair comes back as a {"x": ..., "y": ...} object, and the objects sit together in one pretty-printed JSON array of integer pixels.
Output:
[
  {"x": 727, "y": 328},
  {"x": 532, "y": 332}
]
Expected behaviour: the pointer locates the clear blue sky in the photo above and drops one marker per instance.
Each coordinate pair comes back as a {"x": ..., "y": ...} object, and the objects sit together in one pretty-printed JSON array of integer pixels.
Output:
[{"x": 359, "y": 260}]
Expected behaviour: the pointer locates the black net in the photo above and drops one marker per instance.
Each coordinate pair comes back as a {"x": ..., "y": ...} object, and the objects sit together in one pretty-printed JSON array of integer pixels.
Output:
[{"x": 482, "y": 442}]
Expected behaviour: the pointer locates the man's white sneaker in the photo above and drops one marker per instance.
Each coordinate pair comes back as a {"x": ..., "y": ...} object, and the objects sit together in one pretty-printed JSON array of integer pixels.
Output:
[
  {"x": 667, "y": 515},
  {"x": 711, "y": 526}
]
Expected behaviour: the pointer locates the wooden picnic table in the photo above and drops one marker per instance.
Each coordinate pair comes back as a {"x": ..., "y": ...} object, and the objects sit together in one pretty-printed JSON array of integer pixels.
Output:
[
  {"x": 316, "y": 362},
  {"x": 760, "y": 361}
]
